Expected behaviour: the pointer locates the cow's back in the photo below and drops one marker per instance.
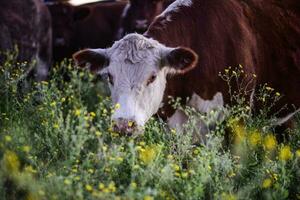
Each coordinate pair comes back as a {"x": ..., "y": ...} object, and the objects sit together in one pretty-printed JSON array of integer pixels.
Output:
[{"x": 260, "y": 35}]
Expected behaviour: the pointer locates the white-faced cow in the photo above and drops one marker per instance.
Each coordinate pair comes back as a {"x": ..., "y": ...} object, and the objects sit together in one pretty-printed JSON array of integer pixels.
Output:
[
  {"x": 186, "y": 47},
  {"x": 27, "y": 24},
  {"x": 139, "y": 14}
]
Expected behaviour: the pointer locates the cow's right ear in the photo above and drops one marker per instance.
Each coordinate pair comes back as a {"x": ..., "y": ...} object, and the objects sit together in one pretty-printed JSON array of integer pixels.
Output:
[
  {"x": 179, "y": 60},
  {"x": 93, "y": 59}
]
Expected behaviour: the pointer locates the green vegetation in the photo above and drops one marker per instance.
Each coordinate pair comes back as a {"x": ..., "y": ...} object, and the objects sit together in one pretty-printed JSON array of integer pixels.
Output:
[{"x": 56, "y": 142}]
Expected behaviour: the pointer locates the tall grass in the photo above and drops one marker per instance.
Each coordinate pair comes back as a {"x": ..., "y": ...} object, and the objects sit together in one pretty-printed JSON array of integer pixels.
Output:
[{"x": 56, "y": 142}]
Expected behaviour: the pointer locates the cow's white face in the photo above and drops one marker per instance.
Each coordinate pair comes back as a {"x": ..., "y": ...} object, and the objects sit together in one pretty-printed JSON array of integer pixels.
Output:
[{"x": 136, "y": 68}]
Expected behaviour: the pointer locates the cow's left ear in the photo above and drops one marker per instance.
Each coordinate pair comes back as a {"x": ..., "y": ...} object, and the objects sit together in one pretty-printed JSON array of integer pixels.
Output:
[
  {"x": 179, "y": 60},
  {"x": 93, "y": 59}
]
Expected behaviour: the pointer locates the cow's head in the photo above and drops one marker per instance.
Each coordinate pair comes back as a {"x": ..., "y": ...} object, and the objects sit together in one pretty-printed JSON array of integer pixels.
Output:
[
  {"x": 136, "y": 68},
  {"x": 140, "y": 13},
  {"x": 61, "y": 22}
]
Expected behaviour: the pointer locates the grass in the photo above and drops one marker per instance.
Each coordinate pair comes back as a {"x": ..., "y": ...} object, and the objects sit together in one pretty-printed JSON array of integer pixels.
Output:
[{"x": 56, "y": 142}]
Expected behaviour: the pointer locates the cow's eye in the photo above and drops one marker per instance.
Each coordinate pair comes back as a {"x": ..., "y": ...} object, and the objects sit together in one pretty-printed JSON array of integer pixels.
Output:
[
  {"x": 109, "y": 78},
  {"x": 151, "y": 79}
]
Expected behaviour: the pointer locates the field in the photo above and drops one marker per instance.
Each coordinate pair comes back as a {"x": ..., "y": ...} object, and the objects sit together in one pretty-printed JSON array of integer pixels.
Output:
[{"x": 56, "y": 142}]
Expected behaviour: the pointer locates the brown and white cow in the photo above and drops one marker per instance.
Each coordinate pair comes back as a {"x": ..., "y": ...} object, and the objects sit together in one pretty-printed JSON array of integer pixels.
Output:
[
  {"x": 139, "y": 14},
  {"x": 186, "y": 47},
  {"x": 84, "y": 26},
  {"x": 27, "y": 24}
]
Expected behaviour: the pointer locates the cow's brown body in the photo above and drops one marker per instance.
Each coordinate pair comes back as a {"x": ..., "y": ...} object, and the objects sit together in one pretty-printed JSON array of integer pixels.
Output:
[
  {"x": 87, "y": 25},
  {"x": 27, "y": 24},
  {"x": 263, "y": 36}
]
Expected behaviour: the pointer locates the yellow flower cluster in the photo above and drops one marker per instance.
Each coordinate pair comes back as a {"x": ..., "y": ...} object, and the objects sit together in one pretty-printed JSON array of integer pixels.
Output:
[
  {"x": 285, "y": 153},
  {"x": 270, "y": 142},
  {"x": 147, "y": 154},
  {"x": 267, "y": 183},
  {"x": 255, "y": 138}
]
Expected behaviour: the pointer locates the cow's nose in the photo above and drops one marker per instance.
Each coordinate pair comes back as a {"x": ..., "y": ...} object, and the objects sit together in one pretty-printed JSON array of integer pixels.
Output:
[{"x": 124, "y": 126}]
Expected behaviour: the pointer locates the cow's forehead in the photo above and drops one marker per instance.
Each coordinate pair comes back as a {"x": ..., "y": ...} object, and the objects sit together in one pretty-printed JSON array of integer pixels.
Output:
[{"x": 135, "y": 49}]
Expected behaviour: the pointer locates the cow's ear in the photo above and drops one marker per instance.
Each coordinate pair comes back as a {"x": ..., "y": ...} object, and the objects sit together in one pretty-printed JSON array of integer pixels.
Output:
[
  {"x": 93, "y": 59},
  {"x": 180, "y": 60}
]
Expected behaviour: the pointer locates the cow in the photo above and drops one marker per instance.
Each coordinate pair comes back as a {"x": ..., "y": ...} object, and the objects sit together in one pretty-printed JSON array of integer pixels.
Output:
[
  {"x": 84, "y": 26},
  {"x": 27, "y": 24},
  {"x": 186, "y": 47},
  {"x": 138, "y": 15}
]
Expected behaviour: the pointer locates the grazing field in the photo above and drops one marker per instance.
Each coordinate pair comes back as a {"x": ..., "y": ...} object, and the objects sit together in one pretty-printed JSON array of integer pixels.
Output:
[{"x": 56, "y": 142}]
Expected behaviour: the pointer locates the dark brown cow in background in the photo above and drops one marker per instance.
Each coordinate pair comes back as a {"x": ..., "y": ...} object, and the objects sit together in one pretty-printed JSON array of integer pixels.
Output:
[
  {"x": 27, "y": 24},
  {"x": 194, "y": 40},
  {"x": 88, "y": 25},
  {"x": 62, "y": 25},
  {"x": 138, "y": 15}
]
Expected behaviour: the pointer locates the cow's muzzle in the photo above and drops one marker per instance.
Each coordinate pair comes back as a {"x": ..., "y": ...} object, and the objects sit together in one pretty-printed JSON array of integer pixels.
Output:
[{"x": 124, "y": 126}]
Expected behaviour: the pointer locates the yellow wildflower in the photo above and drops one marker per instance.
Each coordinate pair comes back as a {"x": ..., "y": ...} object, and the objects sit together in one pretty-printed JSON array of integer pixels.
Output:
[
  {"x": 133, "y": 185},
  {"x": 148, "y": 154},
  {"x": 104, "y": 148},
  {"x": 53, "y": 104},
  {"x": 176, "y": 167},
  {"x": 267, "y": 183},
  {"x": 136, "y": 167},
  {"x": 148, "y": 197},
  {"x": 184, "y": 175},
  {"x": 67, "y": 182},
  {"x": 142, "y": 143},
  {"x": 298, "y": 153},
  {"x": 26, "y": 149},
  {"x": 56, "y": 126},
  {"x": 30, "y": 169},
  {"x": 285, "y": 153},
  {"x": 98, "y": 133},
  {"x": 269, "y": 88},
  {"x": 8, "y": 138},
  {"x": 11, "y": 161},
  {"x": 117, "y": 106},
  {"x": 196, "y": 151},
  {"x": 112, "y": 187},
  {"x": 88, "y": 188},
  {"x": 270, "y": 142},
  {"x": 77, "y": 112},
  {"x": 101, "y": 186},
  {"x": 120, "y": 159},
  {"x": 130, "y": 124},
  {"x": 93, "y": 114},
  {"x": 173, "y": 131},
  {"x": 238, "y": 130},
  {"x": 254, "y": 138}
]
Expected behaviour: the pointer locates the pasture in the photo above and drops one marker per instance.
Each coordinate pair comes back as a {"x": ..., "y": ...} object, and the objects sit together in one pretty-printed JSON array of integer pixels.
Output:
[
  {"x": 56, "y": 142},
  {"x": 149, "y": 100}
]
